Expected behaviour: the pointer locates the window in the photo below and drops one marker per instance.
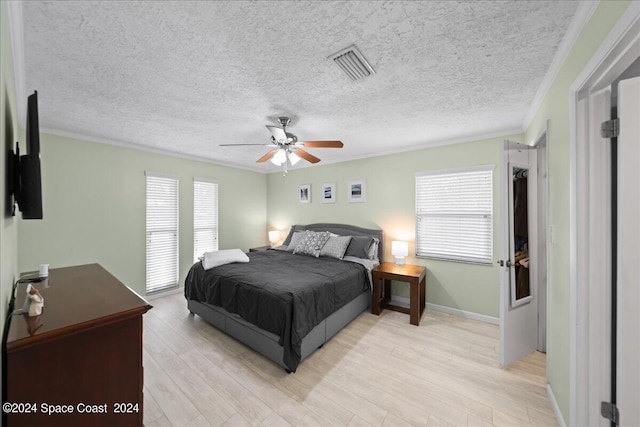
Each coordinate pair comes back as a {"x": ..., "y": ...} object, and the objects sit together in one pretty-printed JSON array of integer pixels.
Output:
[
  {"x": 205, "y": 217},
  {"x": 454, "y": 214},
  {"x": 162, "y": 232}
]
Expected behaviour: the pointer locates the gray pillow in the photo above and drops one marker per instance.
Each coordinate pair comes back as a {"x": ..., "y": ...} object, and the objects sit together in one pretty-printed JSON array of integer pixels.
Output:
[
  {"x": 336, "y": 246},
  {"x": 295, "y": 240},
  {"x": 359, "y": 247},
  {"x": 312, "y": 243},
  {"x": 289, "y": 236}
]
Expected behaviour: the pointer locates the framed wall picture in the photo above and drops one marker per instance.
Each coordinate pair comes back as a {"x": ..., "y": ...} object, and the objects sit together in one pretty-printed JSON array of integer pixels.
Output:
[
  {"x": 328, "y": 192},
  {"x": 356, "y": 191},
  {"x": 304, "y": 193}
]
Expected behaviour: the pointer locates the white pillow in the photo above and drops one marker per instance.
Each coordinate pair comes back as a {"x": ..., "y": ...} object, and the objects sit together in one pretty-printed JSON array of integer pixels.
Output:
[
  {"x": 373, "y": 249},
  {"x": 227, "y": 256}
]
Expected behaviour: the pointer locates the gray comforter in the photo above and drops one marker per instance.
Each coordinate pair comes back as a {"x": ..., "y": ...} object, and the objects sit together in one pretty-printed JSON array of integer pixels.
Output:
[{"x": 279, "y": 292}]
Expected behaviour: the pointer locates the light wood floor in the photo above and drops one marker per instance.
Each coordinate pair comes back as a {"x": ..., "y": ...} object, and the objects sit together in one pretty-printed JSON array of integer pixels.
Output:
[{"x": 379, "y": 370}]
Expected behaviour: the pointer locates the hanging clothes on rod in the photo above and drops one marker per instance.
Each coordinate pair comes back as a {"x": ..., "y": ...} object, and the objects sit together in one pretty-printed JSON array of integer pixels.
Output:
[
  {"x": 520, "y": 173},
  {"x": 521, "y": 231}
]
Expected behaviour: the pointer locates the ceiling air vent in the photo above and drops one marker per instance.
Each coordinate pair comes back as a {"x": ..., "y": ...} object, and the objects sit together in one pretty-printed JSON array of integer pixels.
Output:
[{"x": 351, "y": 61}]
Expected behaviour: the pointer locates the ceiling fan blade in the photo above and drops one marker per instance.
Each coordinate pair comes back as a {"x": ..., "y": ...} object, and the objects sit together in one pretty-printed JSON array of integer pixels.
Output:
[
  {"x": 322, "y": 144},
  {"x": 267, "y": 156},
  {"x": 307, "y": 156},
  {"x": 278, "y": 133}
]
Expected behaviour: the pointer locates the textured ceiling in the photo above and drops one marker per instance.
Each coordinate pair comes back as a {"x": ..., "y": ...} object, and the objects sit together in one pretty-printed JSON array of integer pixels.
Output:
[{"x": 187, "y": 76}]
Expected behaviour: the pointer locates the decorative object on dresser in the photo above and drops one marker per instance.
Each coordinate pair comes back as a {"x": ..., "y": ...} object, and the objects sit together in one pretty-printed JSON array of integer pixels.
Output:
[
  {"x": 414, "y": 275},
  {"x": 44, "y": 270},
  {"x": 83, "y": 353}
]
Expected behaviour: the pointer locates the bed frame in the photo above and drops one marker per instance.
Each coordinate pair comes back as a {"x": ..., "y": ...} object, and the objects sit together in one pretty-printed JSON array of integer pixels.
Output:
[{"x": 266, "y": 343}]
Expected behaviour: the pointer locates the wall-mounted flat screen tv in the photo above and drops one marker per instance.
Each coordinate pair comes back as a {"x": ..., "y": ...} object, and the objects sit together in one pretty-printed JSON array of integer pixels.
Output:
[{"x": 25, "y": 177}]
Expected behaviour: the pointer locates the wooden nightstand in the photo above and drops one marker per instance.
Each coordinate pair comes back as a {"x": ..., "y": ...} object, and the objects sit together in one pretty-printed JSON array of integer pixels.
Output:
[
  {"x": 259, "y": 248},
  {"x": 415, "y": 275}
]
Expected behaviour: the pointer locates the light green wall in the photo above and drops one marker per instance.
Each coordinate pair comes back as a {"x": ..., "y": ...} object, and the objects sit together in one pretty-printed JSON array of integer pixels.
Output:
[
  {"x": 80, "y": 226},
  {"x": 8, "y": 136},
  {"x": 94, "y": 208},
  {"x": 390, "y": 206},
  {"x": 555, "y": 108}
]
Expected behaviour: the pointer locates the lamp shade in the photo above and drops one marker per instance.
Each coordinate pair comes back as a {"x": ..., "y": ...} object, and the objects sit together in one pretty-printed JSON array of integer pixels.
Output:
[
  {"x": 294, "y": 158},
  {"x": 279, "y": 158},
  {"x": 399, "y": 248},
  {"x": 274, "y": 236}
]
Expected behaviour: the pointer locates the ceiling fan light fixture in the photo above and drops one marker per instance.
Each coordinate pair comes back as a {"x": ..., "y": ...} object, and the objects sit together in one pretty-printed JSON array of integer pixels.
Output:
[
  {"x": 293, "y": 158},
  {"x": 286, "y": 150},
  {"x": 279, "y": 158}
]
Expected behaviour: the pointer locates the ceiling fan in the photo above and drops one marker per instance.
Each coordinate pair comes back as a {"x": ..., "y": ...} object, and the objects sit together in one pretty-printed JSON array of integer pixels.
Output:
[{"x": 286, "y": 147}]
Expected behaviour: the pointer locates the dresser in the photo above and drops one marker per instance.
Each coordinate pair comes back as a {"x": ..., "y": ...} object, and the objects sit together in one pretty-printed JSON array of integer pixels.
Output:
[{"x": 80, "y": 362}]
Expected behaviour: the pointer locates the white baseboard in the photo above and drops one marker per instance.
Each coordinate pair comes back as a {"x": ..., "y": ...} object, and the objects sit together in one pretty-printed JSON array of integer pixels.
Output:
[
  {"x": 164, "y": 293},
  {"x": 556, "y": 408},
  {"x": 449, "y": 310}
]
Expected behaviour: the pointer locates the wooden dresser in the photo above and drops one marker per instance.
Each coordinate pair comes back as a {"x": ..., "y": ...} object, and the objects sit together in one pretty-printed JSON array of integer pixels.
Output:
[{"x": 82, "y": 358}]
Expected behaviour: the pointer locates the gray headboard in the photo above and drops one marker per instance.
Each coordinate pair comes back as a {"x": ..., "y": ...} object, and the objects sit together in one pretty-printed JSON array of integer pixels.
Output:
[{"x": 342, "y": 230}]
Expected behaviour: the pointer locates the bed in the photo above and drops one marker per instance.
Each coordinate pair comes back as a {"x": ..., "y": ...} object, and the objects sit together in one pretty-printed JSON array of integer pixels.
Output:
[{"x": 284, "y": 305}]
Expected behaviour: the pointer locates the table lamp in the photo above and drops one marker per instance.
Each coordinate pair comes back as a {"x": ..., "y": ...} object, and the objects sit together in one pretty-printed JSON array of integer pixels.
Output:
[
  {"x": 274, "y": 236},
  {"x": 399, "y": 250}
]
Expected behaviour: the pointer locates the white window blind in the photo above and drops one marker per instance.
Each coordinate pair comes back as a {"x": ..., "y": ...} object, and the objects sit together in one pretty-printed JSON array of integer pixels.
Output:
[
  {"x": 454, "y": 214},
  {"x": 205, "y": 217},
  {"x": 162, "y": 232}
]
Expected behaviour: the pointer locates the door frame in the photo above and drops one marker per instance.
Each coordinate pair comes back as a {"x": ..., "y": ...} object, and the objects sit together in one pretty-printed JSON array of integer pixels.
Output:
[
  {"x": 613, "y": 56},
  {"x": 543, "y": 235}
]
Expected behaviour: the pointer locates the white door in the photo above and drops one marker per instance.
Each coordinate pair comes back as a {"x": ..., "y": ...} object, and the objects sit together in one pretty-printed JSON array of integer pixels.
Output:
[
  {"x": 628, "y": 253},
  {"x": 518, "y": 300}
]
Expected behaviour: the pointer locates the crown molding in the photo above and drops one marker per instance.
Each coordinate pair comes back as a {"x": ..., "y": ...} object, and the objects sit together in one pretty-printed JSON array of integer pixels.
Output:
[
  {"x": 582, "y": 16},
  {"x": 500, "y": 133},
  {"x": 139, "y": 147},
  {"x": 16, "y": 32}
]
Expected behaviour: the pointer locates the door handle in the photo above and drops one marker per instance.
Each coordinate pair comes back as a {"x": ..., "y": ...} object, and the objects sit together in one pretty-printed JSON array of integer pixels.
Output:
[{"x": 508, "y": 263}]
